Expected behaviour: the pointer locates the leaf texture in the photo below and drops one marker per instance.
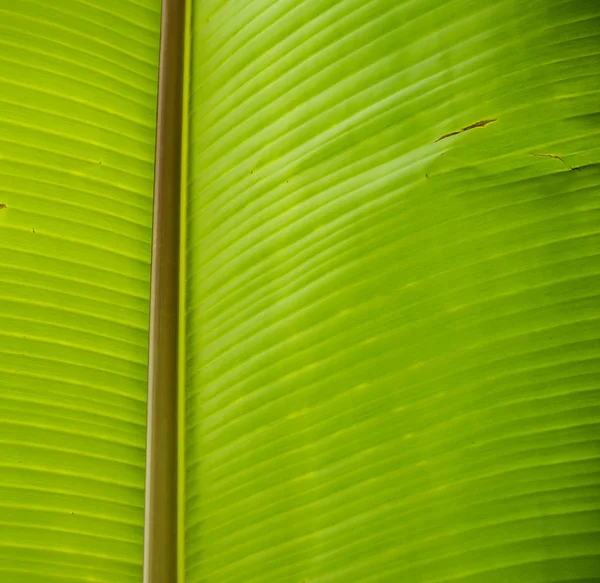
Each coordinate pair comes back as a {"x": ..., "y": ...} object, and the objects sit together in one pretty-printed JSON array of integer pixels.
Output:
[
  {"x": 393, "y": 338},
  {"x": 77, "y": 122}
]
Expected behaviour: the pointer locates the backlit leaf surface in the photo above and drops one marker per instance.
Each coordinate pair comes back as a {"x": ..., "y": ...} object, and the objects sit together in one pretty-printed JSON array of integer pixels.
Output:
[
  {"x": 77, "y": 122},
  {"x": 393, "y": 331}
]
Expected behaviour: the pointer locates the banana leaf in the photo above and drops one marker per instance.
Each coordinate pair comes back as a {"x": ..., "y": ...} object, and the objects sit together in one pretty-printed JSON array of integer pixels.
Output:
[{"x": 390, "y": 315}]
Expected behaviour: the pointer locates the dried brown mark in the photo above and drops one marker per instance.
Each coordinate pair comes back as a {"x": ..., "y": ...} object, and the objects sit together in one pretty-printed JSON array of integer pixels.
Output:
[
  {"x": 553, "y": 157},
  {"x": 478, "y": 124},
  {"x": 2, "y": 206}
]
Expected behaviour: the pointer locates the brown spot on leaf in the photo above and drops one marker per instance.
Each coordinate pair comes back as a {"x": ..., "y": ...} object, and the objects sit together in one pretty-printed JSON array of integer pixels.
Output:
[
  {"x": 2, "y": 206},
  {"x": 553, "y": 157},
  {"x": 448, "y": 136},
  {"x": 478, "y": 124}
]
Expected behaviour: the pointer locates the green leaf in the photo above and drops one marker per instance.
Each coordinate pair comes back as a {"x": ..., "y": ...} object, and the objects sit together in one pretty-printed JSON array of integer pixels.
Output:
[
  {"x": 77, "y": 124},
  {"x": 393, "y": 292}
]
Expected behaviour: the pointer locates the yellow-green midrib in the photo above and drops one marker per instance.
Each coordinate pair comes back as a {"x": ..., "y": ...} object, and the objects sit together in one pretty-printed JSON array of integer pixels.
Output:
[{"x": 77, "y": 123}]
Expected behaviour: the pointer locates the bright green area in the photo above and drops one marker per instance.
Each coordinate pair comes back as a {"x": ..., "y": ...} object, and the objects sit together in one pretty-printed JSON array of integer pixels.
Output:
[
  {"x": 393, "y": 341},
  {"x": 77, "y": 122}
]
